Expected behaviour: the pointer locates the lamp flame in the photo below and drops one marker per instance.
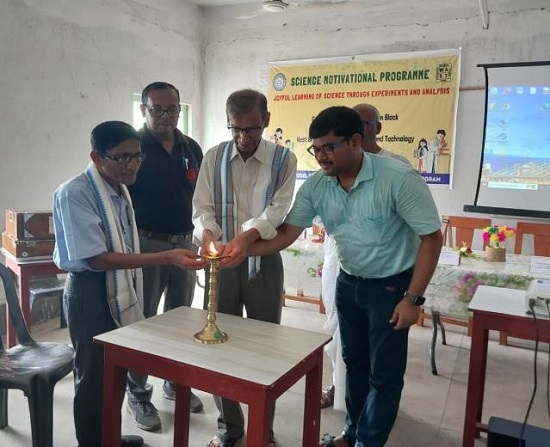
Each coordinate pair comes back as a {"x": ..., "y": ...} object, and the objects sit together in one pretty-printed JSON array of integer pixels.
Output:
[{"x": 212, "y": 249}]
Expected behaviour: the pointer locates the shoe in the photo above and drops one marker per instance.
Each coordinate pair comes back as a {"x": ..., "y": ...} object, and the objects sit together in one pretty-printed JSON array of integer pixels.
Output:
[
  {"x": 145, "y": 415},
  {"x": 195, "y": 405},
  {"x": 343, "y": 439},
  {"x": 169, "y": 392},
  {"x": 131, "y": 441},
  {"x": 327, "y": 397},
  {"x": 217, "y": 442}
]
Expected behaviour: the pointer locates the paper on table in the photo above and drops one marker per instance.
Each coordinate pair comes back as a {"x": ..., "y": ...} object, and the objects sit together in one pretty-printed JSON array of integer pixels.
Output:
[
  {"x": 540, "y": 265},
  {"x": 449, "y": 257}
]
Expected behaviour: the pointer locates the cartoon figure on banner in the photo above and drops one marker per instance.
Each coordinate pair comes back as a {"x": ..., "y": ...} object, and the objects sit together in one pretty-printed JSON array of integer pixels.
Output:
[
  {"x": 420, "y": 154},
  {"x": 288, "y": 144},
  {"x": 438, "y": 147},
  {"x": 277, "y": 137}
]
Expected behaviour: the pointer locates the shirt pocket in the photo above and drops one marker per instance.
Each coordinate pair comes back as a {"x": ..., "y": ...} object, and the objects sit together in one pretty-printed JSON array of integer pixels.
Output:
[{"x": 371, "y": 230}]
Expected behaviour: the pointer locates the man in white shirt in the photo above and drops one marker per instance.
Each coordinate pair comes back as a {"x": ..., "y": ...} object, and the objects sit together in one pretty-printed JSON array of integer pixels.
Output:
[
  {"x": 373, "y": 126},
  {"x": 243, "y": 192}
]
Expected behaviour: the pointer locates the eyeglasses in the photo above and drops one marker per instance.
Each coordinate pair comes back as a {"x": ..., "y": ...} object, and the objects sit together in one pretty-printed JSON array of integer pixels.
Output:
[
  {"x": 326, "y": 149},
  {"x": 368, "y": 123},
  {"x": 158, "y": 111},
  {"x": 244, "y": 130},
  {"x": 125, "y": 159}
]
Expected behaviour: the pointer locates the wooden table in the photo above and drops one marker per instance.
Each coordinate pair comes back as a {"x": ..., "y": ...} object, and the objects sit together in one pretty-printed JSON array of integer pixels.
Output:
[
  {"x": 258, "y": 363},
  {"x": 24, "y": 270},
  {"x": 452, "y": 287},
  {"x": 499, "y": 309}
]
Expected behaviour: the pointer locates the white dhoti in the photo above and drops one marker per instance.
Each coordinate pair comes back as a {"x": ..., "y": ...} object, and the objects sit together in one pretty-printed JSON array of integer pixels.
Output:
[{"x": 331, "y": 267}]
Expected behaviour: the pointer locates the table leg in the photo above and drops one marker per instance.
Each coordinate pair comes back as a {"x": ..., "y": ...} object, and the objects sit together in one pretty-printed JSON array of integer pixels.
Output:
[
  {"x": 25, "y": 295},
  {"x": 23, "y": 278},
  {"x": 312, "y": 409},
  {"x": 181, "y": 416},
  {"x": 11, "y": 336},
  {"x": 114, "y": 384},
  {"x": 258, "y": 419},
  {"x": 476, "y": 381}
]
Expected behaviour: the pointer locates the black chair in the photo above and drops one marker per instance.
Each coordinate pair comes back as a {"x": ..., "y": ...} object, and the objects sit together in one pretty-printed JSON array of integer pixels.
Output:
[{"x": 32, "y": 367}]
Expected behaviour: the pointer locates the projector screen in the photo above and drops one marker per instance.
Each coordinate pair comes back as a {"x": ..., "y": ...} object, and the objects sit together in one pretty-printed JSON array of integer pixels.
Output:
[{"x": 514, "y": 174}]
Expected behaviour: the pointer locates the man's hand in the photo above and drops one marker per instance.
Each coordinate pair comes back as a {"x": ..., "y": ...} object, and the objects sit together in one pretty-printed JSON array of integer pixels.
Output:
[
  {"x": 234, "y": 253},
  {"x": 186, "y": 259},
  {"x": 236, "y": 250},
  {"x": 405, "y": 314}
]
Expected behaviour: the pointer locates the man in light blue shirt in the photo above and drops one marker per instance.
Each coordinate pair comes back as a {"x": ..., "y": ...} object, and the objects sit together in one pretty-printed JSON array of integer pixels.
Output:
[
  {"x": 97, "y": 243},
  {"x": 387, "y": 229}
]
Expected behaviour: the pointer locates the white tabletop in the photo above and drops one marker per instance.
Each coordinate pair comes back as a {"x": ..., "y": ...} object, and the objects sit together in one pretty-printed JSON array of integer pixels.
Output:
[
  {"x": 256, "y": 351},
  {"x": 499, "y": 300}
]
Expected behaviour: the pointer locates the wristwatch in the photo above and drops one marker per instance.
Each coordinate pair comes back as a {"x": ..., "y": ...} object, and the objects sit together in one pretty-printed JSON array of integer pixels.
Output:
[{"x": 415, "y": 299}]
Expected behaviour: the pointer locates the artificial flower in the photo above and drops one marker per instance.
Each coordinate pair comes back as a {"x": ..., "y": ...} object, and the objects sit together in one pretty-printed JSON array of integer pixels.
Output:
[{"x": 497, "y": 234}]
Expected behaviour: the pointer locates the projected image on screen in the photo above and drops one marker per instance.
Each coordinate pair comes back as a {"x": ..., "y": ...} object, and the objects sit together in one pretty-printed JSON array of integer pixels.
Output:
[
  {"x": 515, "y": 164},
  {"x": 517, "y": 141}
]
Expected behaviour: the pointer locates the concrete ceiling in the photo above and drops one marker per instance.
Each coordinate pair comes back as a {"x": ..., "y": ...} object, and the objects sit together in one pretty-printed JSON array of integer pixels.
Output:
[
  {"x": 210, "y": 3},
  {"x": 224, "y": 2},
  {"x": 482, "y": 4}
]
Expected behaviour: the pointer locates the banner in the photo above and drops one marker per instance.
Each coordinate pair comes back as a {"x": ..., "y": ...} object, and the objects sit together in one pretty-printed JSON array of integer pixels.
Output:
[{"x": 416, "y": 94}]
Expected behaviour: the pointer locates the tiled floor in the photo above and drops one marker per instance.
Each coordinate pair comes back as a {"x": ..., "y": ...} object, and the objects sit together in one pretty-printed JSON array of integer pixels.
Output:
[{"x": 432, "y": 408}]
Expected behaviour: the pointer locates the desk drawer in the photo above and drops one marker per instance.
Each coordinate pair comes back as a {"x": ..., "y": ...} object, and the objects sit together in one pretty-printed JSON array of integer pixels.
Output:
[{"x": 26, "y": 249}]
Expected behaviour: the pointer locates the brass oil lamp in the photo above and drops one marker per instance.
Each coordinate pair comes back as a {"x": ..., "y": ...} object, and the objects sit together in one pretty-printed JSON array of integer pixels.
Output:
[{"x": 211, "y": 334}]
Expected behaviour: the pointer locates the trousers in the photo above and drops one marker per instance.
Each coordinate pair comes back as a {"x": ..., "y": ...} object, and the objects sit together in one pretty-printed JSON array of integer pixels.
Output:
[
  {"x": 87, "y": 314},
  {"x": 333, "y": 349},
  {"x": 375, "y": 354},
  {"x": 262, "y": 299}
]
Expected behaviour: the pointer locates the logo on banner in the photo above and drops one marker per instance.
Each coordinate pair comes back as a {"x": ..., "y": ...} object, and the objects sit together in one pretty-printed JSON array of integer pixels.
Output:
[
  {"x": 444, "y": 72},
  {"x": 279, "y": 82}
]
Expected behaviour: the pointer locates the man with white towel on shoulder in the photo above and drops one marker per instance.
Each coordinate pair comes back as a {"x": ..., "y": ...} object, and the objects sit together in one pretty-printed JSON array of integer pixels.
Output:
[{"x": 97, "y": 243}]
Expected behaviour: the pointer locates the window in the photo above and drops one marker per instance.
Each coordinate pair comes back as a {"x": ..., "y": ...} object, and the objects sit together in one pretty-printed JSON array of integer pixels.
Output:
[{"x": 184, "y": 122}]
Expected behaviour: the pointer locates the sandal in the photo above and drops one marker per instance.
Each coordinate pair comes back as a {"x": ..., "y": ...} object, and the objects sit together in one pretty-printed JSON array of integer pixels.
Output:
[
  {"x": 327, "y": 440},
  {"x": 217, "y": 442},
  {"x": 327, "y": 397}
]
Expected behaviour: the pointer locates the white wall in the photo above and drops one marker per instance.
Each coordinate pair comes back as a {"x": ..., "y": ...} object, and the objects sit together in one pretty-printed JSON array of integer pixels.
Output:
[
  {"x": 237, "y": 53},
  {"x": 67, "y": 65}
]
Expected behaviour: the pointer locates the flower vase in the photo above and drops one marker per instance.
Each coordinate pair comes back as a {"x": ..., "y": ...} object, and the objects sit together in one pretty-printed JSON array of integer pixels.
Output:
[{"x": 495, "y": 254}]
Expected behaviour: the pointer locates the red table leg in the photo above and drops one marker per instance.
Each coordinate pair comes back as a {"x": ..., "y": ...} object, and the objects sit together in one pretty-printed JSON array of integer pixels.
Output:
[
  {"x": 258, "y": 421},
  {"x": 114, "y": 384},
  {"x": 23, "y": 279},
  {"x": 476, "y": 381},
  {"x": 181, "y": 416},
  {"x": 312, "y": 409}
]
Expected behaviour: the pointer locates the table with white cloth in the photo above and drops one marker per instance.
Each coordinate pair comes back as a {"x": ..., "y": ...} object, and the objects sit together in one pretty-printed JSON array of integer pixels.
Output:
[
  {"x": 303, "y": 267},
  {"x": 452, "y": 286}
]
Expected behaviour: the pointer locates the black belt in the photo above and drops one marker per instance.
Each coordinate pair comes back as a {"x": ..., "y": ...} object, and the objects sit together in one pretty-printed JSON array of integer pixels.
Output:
[
  {"x": 87, "y": 273},
  {"x": 177, "y": 238},
  {"x": 409, "y": 271}
]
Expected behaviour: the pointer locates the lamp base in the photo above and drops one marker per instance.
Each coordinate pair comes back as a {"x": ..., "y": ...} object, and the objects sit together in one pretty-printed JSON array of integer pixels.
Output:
[{"x": 211, "y": 335}]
